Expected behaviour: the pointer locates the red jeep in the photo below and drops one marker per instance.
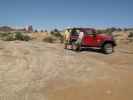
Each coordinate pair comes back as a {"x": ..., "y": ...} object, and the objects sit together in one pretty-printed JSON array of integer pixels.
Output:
[{"x": 92, "y": 39}]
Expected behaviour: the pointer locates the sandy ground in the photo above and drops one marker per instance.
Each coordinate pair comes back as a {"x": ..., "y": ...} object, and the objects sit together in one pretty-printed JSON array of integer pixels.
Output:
[{"x": 42, "y": 71}]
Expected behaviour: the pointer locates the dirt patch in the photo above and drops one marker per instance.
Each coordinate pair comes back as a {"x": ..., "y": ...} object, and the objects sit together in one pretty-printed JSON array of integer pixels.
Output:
[
  {"x": 99, "y": 89},
  {"x": 37, "y": 70}
]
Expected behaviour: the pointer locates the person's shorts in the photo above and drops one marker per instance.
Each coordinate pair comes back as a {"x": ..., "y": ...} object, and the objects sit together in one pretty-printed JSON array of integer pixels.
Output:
[{"x": 66, "y": 42}]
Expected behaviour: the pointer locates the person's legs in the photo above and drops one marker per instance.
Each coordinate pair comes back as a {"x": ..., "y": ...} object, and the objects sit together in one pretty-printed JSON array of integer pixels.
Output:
[
  {"x": 65, "y": 44},
  {"x": 78, "y": 44}
]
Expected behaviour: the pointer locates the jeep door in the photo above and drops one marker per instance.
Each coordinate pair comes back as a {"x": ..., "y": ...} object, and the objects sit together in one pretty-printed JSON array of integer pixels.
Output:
[{"x": 89, "y": 38}]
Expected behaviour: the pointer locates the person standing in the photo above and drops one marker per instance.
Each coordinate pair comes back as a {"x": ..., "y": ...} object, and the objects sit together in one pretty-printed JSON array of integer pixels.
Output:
[
  {"x": 80, "y": 38},
  {"x": 67, "y": 37}
]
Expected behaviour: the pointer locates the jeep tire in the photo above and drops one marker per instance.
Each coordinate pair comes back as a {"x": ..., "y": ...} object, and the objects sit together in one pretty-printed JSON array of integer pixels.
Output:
[{"x": 108, "y": 48}]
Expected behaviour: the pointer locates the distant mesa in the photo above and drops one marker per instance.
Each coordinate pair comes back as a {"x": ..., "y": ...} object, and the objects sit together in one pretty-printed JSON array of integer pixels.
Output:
[
  {"x": 10, "y": 29},
  {"x": 6, "y": 29}
]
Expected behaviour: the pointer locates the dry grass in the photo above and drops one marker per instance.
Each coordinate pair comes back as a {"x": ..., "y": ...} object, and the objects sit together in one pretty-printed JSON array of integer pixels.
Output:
[
  {"x": 42, "y": 71},
  {"x": 37, "y": 70},
  {"x": 39, "y": 36}
]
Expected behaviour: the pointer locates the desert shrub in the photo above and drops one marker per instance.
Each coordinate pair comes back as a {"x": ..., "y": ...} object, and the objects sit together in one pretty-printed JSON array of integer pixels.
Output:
[
  {"x": 36, "y": 31},
  {"x": 130, "y": 37},
  {"x": 125, "y": 29},
  {"x": 49, "y": 39},
  {"x": 56, "y": 33},
  {"x": 109, "y": 31},
  {"x": 130, "y": 34},
  {"x": 45, "y": 31},
  {"x": 18, "y": 36},
  {"x": 14, "y": 36},
  {"x": 4, "y": 34},
  {"x": 7, "y": 36},
  {"x": 42, "y": 31},
  {"x": 61, "y": 39},
  {"x": 22, "y": 37},
  {"x": 27, "y": 38}
]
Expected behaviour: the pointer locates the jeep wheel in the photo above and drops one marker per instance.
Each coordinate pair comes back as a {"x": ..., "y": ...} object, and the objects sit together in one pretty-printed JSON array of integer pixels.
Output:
[{"x": 108, "y": 48}]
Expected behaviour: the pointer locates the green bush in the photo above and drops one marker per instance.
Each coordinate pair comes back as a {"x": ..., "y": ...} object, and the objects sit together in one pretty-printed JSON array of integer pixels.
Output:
[
  {"x": 14, "y": 36},
  {"x": 7, "y": 36},
  {"x": 22, "y": 37},
  {"x": 18, "y": 36}
]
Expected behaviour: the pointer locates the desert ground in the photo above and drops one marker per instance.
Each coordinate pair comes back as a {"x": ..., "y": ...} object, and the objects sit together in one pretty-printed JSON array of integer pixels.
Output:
[{"x": 36, "y": 70}]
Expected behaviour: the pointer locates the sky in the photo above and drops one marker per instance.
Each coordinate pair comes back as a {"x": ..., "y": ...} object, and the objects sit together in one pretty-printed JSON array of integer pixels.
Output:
[{"x": 48, "y": 14}]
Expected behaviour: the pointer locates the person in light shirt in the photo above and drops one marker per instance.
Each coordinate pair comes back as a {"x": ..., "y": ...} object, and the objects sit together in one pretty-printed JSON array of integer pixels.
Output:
[
  {"x": 66, "y": 38},
  {"x": 81, "y": 35}
]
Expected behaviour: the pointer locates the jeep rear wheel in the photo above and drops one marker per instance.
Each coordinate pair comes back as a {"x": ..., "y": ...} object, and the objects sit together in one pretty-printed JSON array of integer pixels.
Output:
[{"x": 108, "y": 48}]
